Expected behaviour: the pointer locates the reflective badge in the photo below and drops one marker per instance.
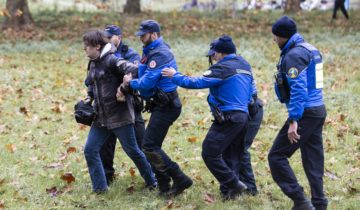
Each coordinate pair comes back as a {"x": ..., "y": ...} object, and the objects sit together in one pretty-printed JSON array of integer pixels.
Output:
[
  {"x": 152, "y": 64},
  {"x": 136, "y": 63},
  {"x": 207, "y": 73},
  {"x": 319, "y": 77},
  {"x": 293, "y": 73}
]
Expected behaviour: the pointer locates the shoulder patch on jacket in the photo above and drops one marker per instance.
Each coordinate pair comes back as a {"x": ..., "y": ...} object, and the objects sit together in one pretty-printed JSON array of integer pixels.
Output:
[
  {"x": 207, "y": 73},
  {"x": 152, "y": 64},
  {"x": 293, "y": 73}
]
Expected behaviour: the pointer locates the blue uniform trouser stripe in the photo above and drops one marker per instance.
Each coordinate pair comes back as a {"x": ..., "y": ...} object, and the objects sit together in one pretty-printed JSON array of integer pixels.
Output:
[
  {"x": 218, "y": 139},
  {"x": 312, "y": 154}
]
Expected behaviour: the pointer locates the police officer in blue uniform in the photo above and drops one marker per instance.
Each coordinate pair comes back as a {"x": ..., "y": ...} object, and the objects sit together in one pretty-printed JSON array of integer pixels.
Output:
[
  {"x": 229, "y": 81},
  {"x": 107, "y": 151},
  {"x": 163, "y": 102},
  {"x": 299, "y": 84},
  {"x": 242, "y": 167}
]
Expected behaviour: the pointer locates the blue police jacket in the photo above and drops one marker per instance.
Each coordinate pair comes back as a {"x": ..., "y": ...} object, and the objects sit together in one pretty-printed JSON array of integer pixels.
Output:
[
  {"x": 128, "y": 53},
  {"x": 302, "y": 66},
  {"x": 229, "y": 80},
  {"x": 156, "y": 56}
]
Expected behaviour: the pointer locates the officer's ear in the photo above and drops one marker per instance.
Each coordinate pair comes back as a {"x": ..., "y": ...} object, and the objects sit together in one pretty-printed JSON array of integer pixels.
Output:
[{"x": 154, "y": 36}]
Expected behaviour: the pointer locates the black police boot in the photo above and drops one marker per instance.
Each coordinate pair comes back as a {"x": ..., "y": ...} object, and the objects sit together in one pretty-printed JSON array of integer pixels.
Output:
[
  {"x": 234, "y": 188},
  {"x": 180, "y": 182},
  {"x": 320, "y": 207},
  {"x": 303, "y": 203},
  {"x": 163, "y": 183},
  {"x": 109, "y": 179}
]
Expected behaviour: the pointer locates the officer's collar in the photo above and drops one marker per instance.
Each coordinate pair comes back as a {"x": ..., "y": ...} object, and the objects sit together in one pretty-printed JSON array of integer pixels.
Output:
[
  {"x": 228, "y": 57},
  {"x": 296, "y": 38},
  {"x": 153, "y": 45}
]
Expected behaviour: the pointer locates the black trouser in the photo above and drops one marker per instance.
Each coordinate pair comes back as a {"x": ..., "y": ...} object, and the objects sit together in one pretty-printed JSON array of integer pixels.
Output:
[
  {"x": 160, "y": 121},
  {"x": 312, "y": 155},
  {"x": 108, "y": 149},
  {"x": 340, "y": 4},
  {"x": 219, "y": 138}
]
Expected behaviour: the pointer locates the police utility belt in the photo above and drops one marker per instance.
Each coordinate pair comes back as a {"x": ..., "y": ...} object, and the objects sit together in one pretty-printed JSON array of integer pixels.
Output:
[{"x": 160, "y": 99}]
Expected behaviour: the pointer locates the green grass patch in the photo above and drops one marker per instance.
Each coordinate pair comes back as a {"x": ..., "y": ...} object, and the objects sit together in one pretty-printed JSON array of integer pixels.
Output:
[{"x": 42, "y": 78}]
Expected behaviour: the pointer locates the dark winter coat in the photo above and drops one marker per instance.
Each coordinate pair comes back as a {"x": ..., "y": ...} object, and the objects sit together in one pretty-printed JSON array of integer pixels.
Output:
[{"x": 104, "y": 77}]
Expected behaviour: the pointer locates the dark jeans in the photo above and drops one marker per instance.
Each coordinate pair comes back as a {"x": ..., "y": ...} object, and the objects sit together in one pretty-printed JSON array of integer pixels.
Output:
[
  {"x": 221, "y": 137},
  {"x": 160, "y": 120},
  {"x": 96, "y": 138},
  {"x": 312, "y": 155},
  {"x": 340, "y": 4},
  {"x": 108, "y": 149}
]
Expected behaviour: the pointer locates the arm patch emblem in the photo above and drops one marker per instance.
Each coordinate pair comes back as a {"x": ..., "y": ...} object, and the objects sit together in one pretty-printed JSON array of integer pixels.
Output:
[
  {"x": 207, "y": 73},
  {"x": 152, "y": 64},
  {"x": 293, "y": 73}
]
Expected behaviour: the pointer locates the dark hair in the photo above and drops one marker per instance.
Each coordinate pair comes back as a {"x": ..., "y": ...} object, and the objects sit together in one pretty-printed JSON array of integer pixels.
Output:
[
  {"x": 158, "y": 33},
  {"x": 95, "y": 37}
]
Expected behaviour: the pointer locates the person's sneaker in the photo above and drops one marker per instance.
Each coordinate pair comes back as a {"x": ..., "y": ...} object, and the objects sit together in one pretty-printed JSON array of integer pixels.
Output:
[{"x": 234, "y": 189}]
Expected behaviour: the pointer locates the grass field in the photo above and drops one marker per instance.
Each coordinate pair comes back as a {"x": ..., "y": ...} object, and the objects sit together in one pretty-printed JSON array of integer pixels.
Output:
[{"x": 42, "y": 77}]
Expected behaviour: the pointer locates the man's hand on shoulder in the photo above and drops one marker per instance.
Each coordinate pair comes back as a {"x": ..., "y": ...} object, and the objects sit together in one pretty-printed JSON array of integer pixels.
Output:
[{"x": 168, "y": 72}]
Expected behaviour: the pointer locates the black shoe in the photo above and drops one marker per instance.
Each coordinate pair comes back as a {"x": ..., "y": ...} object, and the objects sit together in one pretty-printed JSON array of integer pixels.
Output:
[
  {"x": 251, "y": 191},
  {"x": 180, "y": 182},
  {"x": 151, "y": 187},
  {"x": 303, "y": 204},
  {"x": 163, "y": 183},
  {"x": 234, "y": 189},
  {"x": 320, "y": 206},
  {"x": 109, "y": 180}
]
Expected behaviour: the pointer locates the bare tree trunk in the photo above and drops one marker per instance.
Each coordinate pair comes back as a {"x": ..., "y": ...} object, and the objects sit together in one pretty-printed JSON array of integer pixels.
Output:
[
  {"x": 19, "y": 14},
  {"x": 132, "y": 7},
  {"x": 292, "y": 6}
]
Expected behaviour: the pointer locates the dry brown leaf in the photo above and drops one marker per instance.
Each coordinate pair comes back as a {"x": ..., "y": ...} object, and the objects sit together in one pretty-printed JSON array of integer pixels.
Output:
[
  {"x": 53, "y": 192},
  {"x": 68, "y": 177},
  {"x": 11, "y": 147},
  {"x": 209, "y": 199},
  {"x": 130, "y": 189},
  {"x": 70, "y": 150},
  {"x": 192, "y": 139},
  {"x": 331, "y": 175},
  {"x": 132, "y": 172}
]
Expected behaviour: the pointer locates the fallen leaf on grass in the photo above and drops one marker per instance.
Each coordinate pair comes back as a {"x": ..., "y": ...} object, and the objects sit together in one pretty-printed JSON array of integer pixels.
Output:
[
  {"x": 209, "y": 199},
  {"x": 274, "y": 127},
  {"x": 70, "y": 150},
  {"x": 331, "y": 175},
  {"x": 192, "y": 139},
  {"x": 24, "y": 110},
  {"x": 199, "y": 179},
  {"x": 53, "y": 192},
  {"x": 68, "y": 177},
  {"x": 2, "y": 204},
  {"x": 130, "y": 189},
  {"x": 11, "y": 147},
  {"x": 83, "y": 206},
  {"x": 2, "y": 182},
  {"x": 132, "y": 172}
]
